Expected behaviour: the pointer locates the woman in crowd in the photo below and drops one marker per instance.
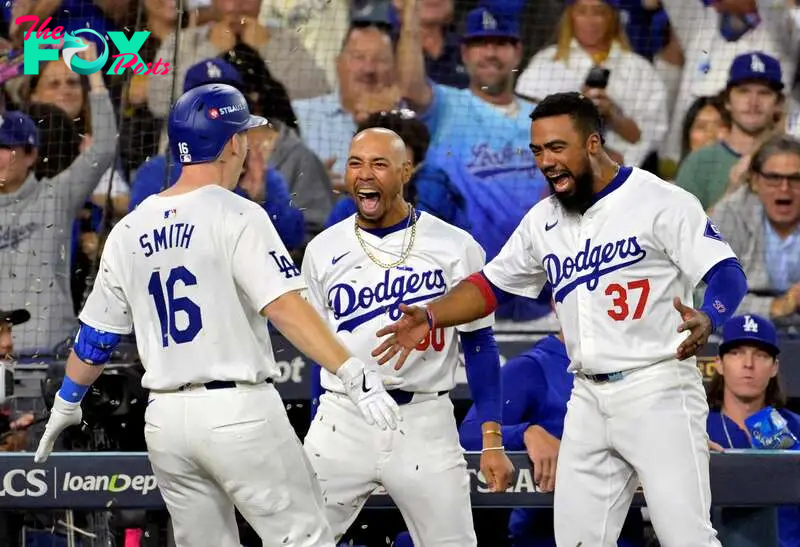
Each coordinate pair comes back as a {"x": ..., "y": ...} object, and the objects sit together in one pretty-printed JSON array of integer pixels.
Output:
[
  {"x": 57, "y": 85},
  {"x": 706, "y": 122},
  {"x": 593, "y": 56}
]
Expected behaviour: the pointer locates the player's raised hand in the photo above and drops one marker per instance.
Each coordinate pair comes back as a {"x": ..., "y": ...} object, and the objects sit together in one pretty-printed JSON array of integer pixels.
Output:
[
  {"x": 405, "y": 333},
  {"x": 699, "y": 326},
  {"x": 365, "y": 388},
  {"x": 63, "y": 415},
  {"x": 496, "y": 469}
]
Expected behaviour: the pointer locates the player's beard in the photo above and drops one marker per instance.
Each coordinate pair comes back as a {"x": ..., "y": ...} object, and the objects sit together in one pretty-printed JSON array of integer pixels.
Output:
[{"x": 579, "y": 198}]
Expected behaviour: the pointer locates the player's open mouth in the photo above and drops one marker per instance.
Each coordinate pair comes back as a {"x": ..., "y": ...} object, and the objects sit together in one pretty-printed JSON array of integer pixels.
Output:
[
  {"x": 561, "y": 182},
  {"x": 368, "y": 200}
]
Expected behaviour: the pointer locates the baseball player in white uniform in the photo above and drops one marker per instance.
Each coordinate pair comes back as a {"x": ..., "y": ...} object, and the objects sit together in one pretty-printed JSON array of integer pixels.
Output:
[
  {"x": 622, "y": 250},
  {"x": 195, "y": 270},
  {"x": 357, "y": 273}
]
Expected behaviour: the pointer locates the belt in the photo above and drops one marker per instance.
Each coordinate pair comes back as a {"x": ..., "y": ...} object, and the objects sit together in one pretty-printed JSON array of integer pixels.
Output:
[
  {"x": 217, "y": 384},
  {"x": 404, "y": 397},
  {"x": 603, "y": 378}
]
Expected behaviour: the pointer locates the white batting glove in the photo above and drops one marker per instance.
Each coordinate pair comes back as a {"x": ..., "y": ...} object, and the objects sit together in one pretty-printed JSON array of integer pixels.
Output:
[
  {"x": 63, "y": 415},
  {"x": 365, "y": 388}
]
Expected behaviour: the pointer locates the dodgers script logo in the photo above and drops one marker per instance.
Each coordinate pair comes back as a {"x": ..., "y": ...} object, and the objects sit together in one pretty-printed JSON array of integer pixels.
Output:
[
  {"x": 489, "y": 162},
  {"x": 590, "y": 264},
  {"x": 387, "y": 295}
]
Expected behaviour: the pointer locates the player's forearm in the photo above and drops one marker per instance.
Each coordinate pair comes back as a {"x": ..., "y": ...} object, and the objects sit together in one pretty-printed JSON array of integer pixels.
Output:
[
  {"x": 300, "y": 323},
  {"x": 78, "y": 377},
  {"x": 463, "y": 304},
  {"x": 482, "y": 360},
  {"x": 82, "y": 373}
]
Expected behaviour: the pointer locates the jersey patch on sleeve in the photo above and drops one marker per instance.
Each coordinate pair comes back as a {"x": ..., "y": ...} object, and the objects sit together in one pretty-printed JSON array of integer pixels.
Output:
[{"x": 712, "y": 232}]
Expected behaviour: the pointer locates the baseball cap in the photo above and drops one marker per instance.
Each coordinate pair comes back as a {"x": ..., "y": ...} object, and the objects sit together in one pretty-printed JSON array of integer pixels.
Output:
[
  {"x": 212, "y": 71},
  {"x": 749, "y": 329},
  {"x": 756, "y": 66},
  {"x": 15, "y": 317},
  {"x": 18, "y": 129},
  {"x": 483, "y": 23}
]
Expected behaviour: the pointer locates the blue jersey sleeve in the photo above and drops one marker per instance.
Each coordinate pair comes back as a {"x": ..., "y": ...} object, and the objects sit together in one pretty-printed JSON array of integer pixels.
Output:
[{"x": 483, "y": 373}]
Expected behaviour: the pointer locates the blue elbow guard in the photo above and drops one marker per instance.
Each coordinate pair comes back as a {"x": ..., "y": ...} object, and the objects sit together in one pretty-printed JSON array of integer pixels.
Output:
[{"x": 94, "y": 346}]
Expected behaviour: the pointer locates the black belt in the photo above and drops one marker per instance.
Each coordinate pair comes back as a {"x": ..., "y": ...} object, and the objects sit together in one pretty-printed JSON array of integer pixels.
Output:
[
  {"x": 219, "y": 384},
  {"x": 404, "y": 397},
  {"x": 602, "y": 378}
]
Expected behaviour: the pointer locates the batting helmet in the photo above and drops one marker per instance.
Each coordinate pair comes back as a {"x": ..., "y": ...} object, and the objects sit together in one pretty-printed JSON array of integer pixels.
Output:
[{"x": 204, "y": 119}]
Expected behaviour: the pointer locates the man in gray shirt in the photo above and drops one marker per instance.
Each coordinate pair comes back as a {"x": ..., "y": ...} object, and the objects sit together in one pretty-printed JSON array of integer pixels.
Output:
[{"x": 36, "y": 218}]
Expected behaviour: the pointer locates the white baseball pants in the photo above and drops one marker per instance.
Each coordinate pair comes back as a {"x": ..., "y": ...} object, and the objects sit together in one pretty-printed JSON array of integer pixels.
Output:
[
  {"x": 420, "y": 464},
  {"x": 213, "y": 449},
  {"x": 649, "y": 426}
]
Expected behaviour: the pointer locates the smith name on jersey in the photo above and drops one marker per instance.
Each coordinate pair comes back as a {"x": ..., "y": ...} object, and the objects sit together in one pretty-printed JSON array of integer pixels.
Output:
[
  {"x": 358, "y": 297},
  {"x": 192, "y": 271},
  {"x": 615, "y": 269}
]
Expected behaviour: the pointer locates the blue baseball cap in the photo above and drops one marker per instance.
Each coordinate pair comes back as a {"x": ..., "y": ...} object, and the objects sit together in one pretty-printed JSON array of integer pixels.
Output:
[
  {"x": 212, "y": 71},
  {"x": 749, "y": 329},
  {"x": 756, "y": 66},
  {"x": 18, "y": 129},
  {"x": 483, "y": 23}
]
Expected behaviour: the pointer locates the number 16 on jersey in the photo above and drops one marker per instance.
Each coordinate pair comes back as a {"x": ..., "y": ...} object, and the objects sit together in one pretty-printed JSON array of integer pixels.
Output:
[{"x": 168, "y": 308}]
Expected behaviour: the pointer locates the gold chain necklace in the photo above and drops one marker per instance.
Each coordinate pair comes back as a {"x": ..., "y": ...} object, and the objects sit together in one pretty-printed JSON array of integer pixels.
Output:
[{"x": 405, "y": 253}]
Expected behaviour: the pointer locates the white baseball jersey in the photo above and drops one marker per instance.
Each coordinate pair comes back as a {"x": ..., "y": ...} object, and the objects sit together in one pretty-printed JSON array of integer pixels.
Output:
[
  {"x": 191, "y": 273},
  {"x": 358, "y": 297},
  {"x": 615, "y": 269}
]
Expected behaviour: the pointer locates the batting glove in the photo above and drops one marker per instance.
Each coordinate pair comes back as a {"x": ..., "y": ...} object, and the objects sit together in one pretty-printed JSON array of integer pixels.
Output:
[
  {"x": 365, "y": 388},
  {"x": 62, "y": 415}
]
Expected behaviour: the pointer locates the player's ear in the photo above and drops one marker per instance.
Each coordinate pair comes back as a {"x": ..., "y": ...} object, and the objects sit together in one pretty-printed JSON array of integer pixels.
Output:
[
  {"x": 718, "y": 366},
  {"x": 408, "y": 172},
  {"x": 593, "y": 143}
]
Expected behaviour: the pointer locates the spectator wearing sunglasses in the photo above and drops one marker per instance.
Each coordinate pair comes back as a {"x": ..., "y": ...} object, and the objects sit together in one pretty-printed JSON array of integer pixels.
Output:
[{"x": 761, "y": 221}]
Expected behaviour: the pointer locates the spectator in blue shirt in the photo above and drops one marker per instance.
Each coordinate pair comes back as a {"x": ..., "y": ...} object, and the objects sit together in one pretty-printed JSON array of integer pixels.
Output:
[
  {"x": 536, "y": 387},
  {"x": 744, "y": 386},
  {"x": 480, "y": 136},
  {"x": 151, "y": 178},
  {"x": 430, "y": 188}
]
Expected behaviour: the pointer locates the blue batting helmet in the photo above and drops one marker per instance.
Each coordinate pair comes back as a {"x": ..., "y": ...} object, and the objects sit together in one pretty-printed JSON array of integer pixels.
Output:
[{"x": 204, "y": 119}]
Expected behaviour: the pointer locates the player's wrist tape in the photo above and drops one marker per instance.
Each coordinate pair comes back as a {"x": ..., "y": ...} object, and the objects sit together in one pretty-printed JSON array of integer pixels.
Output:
[
  {"x": 71, "y": 391},
  {"x": 492, "y": 448}
]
